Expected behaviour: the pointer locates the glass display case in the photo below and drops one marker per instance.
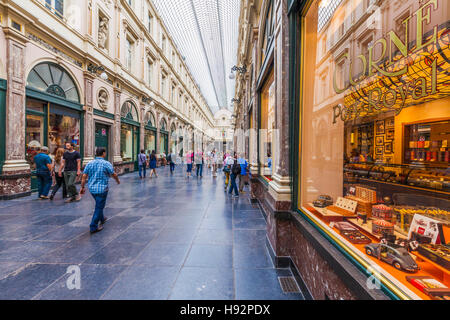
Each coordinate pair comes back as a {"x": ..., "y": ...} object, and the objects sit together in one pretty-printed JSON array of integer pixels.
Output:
[{"x": 424, "y": 176}]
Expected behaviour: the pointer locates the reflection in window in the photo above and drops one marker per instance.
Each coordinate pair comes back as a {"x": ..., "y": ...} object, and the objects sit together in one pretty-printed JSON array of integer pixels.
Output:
[
  {"x": 63, "y": 129},
  {"x": 370, "y": 156},
  {"x": 126, "y": 143},
  {"x": 267, "y": 125},
  {"x": 34, "y": 138}
]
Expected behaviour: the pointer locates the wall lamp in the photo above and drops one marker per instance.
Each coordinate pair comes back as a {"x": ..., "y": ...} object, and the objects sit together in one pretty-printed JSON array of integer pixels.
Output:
[
  {"x": 241, "y": 70},
  {"x": 148, "y": 100},
  {"x": 96, "y": 69}
]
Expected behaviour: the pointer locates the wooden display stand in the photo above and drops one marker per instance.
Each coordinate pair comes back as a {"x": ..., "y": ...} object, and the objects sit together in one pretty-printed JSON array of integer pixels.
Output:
[
  {"x": 343, "y": 207},
  {"x": 327, "y": 216}
]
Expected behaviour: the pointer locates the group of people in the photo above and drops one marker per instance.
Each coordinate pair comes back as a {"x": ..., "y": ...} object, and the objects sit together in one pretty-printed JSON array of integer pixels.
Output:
[
  {"x": 63, "y": 168},
  {"x": 147, "y": 161},
  {"x": 233, "y": 168},
  {"x": 59, "y": 170}
]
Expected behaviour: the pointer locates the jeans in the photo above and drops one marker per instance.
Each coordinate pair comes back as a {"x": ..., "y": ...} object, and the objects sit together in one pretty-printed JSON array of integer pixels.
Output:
[
  {"x": 189, "y": 167},
  {"x": 200, "y": 169},
  {"x": 142, "y": 167},
  {"x": 100, "y": 203},
  {"x": 233, "y": 185},
  {"x": 69, "y": 178},
  {"x": 59, "y": 183},
  {"x": 172, "y": 167},
  {"x": 44, "y": 183}
]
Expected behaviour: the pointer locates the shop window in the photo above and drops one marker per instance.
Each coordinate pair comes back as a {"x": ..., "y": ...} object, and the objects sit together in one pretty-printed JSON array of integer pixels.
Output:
[
  {"x": 63, "y": 127},
  {"x": 267, "y": 132},
  {"x": 53, "y": 79},
  {"x": 375, "y": 157},
  {"x": 34, "y": 138},
  {"x": 149, "y": 141}
]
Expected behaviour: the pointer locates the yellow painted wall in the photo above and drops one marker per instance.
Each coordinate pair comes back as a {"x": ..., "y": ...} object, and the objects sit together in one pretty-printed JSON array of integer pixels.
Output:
[{"x": 437, "y": 109}]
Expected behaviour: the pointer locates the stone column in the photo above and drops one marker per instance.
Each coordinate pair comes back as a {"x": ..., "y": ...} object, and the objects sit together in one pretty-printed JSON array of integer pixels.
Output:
[
  {"x": 15, "y": 178},
  {"x": 116, "y": 128},
  {"x": 280, "y": 187},
  {"x": 158, "y": 134},
  {"x": 253, "y": 134},
  {"x": 89, "y": 128},
  {"x": 142, "y": 131}
]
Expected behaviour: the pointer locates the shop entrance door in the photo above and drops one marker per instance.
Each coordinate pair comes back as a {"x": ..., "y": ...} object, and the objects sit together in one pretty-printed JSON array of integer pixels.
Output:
[{"x": 102, "y": 137}]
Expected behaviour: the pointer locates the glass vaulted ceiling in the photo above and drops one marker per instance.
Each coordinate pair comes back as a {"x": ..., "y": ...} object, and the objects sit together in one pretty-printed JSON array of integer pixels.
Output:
[{"x": 206, "y": 34}]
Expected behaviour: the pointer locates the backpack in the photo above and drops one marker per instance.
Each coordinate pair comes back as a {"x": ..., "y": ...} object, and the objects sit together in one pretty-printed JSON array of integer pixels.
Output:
[{"x": 236, "y": 169}]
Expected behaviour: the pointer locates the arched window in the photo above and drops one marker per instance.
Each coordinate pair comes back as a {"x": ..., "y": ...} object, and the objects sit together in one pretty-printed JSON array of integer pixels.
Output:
[
  {"x": 129, "y": 111},
  {"x": 149, "y": 120},
  {"x": 53, "y": 79},
  {"x": 163, "y": 124}
]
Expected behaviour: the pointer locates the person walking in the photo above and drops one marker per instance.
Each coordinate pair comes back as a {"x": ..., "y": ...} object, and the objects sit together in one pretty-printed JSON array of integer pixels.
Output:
[
  {"x": 189, "y": 160},
  {"x": 214, "y": 163},
  {"x": 199, "y": 163},
  {"x": 243, "y": 175},
  {"x": 43, "y": 172},
  {"x": 235, "y": 171},
  {"x": 97, "y": 173},
  {"x": 142, "y": 163},
  {"x": 59, "y": 178},
  {"x": 71, "y": 165},
  {"x": 228, "y": 163},
  {"x": 171, "y": 158},
  {"x": 153, "y": 162}
]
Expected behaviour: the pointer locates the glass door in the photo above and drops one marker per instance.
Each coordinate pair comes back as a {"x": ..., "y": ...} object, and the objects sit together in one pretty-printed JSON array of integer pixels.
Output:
[{"x": 102, "y": 138}]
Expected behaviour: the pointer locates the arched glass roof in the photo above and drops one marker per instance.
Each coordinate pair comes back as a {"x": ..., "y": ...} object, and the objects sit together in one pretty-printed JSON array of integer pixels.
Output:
[{"x": 206, "y": 34}]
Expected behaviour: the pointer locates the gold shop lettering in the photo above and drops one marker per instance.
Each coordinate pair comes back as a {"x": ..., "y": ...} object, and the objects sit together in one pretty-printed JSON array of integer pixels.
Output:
[{"x": 394, "y": 98}]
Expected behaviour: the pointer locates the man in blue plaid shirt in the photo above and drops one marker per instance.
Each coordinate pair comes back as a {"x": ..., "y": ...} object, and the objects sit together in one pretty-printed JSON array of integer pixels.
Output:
[{"x": 97, "y": 173}]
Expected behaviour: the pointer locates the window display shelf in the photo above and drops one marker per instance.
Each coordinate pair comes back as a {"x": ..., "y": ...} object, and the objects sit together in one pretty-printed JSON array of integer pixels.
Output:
[{"x": 428, "y": 177}]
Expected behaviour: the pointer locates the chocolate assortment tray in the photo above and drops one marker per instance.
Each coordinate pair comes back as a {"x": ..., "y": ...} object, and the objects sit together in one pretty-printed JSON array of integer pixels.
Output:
[
  {"x": 437, "y": 253},
  {"x": 355, "y": 236}
]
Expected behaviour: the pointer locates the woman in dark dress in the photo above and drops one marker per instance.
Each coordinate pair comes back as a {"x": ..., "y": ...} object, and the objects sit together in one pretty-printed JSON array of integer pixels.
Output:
[{"x": 153, "y": 164}]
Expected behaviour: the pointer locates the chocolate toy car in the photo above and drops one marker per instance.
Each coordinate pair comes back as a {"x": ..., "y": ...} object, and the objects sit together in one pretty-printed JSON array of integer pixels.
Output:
[
  {"x": 323, "y": 201},
  {"x": 395, "y": 255}
]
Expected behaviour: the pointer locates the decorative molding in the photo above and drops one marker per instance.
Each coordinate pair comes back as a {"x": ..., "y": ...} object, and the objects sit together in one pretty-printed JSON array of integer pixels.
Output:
[{"x": 55, "y": 50}]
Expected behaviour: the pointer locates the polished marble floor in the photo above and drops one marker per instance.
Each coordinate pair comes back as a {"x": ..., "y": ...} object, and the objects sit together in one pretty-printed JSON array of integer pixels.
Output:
[{"x": 167, "y": 238}]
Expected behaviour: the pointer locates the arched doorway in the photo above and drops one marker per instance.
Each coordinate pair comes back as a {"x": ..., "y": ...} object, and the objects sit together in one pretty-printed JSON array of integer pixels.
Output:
[
  {"x": 150, "y": 133},
  {"x": 129, "y": 133},
  {"x": 53, "y": 111},
  {"x": 163, "y": 137}
]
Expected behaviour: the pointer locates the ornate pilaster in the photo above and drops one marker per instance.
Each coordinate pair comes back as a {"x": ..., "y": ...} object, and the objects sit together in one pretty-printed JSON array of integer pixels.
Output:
[
  {"x": 116, "y": 128},
  {"x": 15, "y": 176},
  {"x": 280, "y": 187},
  {"x": 15, "y": 104},
  {"x": 89, "y": 131},
  {"x": 142, "y": 131},
  {"x": 158, "y": 134}
]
